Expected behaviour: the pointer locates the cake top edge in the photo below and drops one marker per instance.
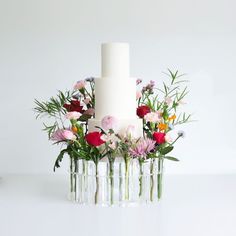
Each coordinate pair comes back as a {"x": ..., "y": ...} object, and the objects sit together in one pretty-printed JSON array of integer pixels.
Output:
[{"x": 115, "y": 44}]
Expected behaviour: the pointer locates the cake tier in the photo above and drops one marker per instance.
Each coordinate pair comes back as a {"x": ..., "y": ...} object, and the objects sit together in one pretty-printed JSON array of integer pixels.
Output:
[
  {"x": 115, "y": 97},
  {"x": 115, "y": 60},
  {"x": 123, "y": 124}
]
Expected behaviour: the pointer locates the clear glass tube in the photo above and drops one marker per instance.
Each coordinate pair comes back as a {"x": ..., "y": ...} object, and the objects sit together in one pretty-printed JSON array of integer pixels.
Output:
[{"x": 120, "y": 183}]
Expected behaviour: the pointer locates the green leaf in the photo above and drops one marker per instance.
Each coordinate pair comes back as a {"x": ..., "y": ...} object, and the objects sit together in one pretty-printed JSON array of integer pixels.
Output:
[
  {"x": 84, "y": 117},
  {"x": 59, "y": 159},
  {"x": 166, "y": 150},
  {"x": 171, "y": 158}
]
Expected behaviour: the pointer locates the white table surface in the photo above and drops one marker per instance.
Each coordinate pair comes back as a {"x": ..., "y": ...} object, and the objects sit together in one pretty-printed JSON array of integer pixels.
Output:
[{"x": 32, "y": 205}]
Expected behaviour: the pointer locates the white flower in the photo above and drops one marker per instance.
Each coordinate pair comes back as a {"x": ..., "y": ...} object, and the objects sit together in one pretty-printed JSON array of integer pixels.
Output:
[{"x": 109, "y": 138}]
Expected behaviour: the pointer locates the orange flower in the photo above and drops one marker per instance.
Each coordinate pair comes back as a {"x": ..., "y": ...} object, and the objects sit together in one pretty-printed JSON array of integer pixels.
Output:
[
  {"x": 162, "y": 126},
  {"x": 74, "y": 129},
  {"x": 172, "y": 117}
]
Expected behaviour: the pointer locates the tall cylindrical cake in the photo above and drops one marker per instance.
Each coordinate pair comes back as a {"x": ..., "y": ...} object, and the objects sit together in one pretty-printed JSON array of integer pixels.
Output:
[{"x": 115, "y": 91}]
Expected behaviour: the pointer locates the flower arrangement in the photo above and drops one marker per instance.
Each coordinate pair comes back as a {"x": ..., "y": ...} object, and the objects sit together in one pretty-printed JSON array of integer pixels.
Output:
[{"x": 157, "y": 107}]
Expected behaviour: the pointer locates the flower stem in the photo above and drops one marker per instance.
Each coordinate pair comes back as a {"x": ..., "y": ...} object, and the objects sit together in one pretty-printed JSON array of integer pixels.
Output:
[
  {"x": 75, "y": 177},
  {"x": 151, "y": 180},
  {"x": 159, "y": 178},
  {"x": 111, "y": 175},
  {"x": 140, "y": 178},
  {"x": 71, "y": 176},
  {"x": 97, "y": 184},
  {"x": 127, "y": 163}
]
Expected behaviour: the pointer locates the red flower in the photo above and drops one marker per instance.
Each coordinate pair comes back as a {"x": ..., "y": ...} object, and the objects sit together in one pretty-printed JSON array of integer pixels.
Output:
[
  {"x": 94, "y": 139},
  {"x": 159, "y": 137},
  {"x": 74, "y": 106},
  {"x": 143, "y": 110}
]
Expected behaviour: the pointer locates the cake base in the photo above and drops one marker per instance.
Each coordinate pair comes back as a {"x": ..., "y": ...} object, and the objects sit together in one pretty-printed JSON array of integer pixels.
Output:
[{"x": 122, "y": 126}]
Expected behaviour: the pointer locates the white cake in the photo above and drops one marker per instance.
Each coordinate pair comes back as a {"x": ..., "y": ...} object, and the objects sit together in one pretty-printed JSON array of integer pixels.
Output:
[{"x": 115, "y": 91}]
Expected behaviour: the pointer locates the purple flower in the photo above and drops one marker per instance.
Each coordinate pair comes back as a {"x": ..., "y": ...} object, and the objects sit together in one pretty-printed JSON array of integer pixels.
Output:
[
  {"x": 181, "y": 133},
  {"x": 90, "y": 79},
  {"x": 62, "y": 135},
  {"x": 149, "y": 87},
  {"x": 142, "y": 148}
]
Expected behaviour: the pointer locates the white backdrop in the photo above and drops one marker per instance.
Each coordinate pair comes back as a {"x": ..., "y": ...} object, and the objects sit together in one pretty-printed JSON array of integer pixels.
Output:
[{"x": 48, "y": 45}]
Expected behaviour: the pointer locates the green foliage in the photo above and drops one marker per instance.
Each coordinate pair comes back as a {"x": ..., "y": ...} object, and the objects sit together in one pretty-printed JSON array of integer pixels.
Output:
[
  {"x": 59, "y": 159},
  {"x": 50, "y": 129},
  {"x": 165, "y": 149},
  {"x": 171, "y": 158},
  {"x": 53, "y": 107}
]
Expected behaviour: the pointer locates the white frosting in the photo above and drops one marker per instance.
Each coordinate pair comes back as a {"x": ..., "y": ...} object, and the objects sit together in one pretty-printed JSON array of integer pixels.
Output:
[
  {"x": 115, "y": 60},
  {"x": 115, "y": 91},
  {"x": 115, "y": 97}
]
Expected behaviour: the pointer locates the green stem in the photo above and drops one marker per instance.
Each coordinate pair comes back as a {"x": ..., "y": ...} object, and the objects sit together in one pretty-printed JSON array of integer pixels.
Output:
[
  {"x": 140, "y": 178},
  {"x": 97, "y": 183},
  {"x": 71, "y": 176},
  {"x": 75, "y": 177},
  {"x": 151, "y": 180},
  {"x": 111, "y": 175},
  {"x": 127, "y": 162},
  {"x": 159, "y": 178}
]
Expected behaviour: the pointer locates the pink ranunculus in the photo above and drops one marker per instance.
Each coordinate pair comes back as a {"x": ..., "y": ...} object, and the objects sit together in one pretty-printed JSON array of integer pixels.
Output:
[
  {"x": 90, "y": 111},
  {"x": 153, "y": 117},
  {"x": 109, "y": 122},
  {"x": 79, "y": 85},
  {"x": 73, "y": 115},
  {"x": 62, "y": 135},
  {"x": 138, "y": 95}
]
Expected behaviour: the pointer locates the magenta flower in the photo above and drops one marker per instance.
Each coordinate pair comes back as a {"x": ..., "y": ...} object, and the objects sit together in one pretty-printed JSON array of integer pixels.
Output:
[
  {"x": 142, "y": 148},
  {"x": 109, "y": 122},
  {"x": 62, "y": 135}
]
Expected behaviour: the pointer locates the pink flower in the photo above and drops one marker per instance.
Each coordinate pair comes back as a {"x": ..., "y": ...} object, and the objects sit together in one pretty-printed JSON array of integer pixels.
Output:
[
  {"x": 79, "y": 85},
  {"x": 112, "y": 145},
  {"x": 168, "y": 138},
  {"x": 138, "y": 81},
  {"x": 138, "y": 95},
  {"x": 73, "y": 115},
  {"x": 62, "y": 135},
  {"x": 168, "y": 100},
  {"x": 142, "y": 148},
  {"x": 109, "y": 122},
  {"x": 153, "y": 117},
  {"x": 90, "y": 111}
]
